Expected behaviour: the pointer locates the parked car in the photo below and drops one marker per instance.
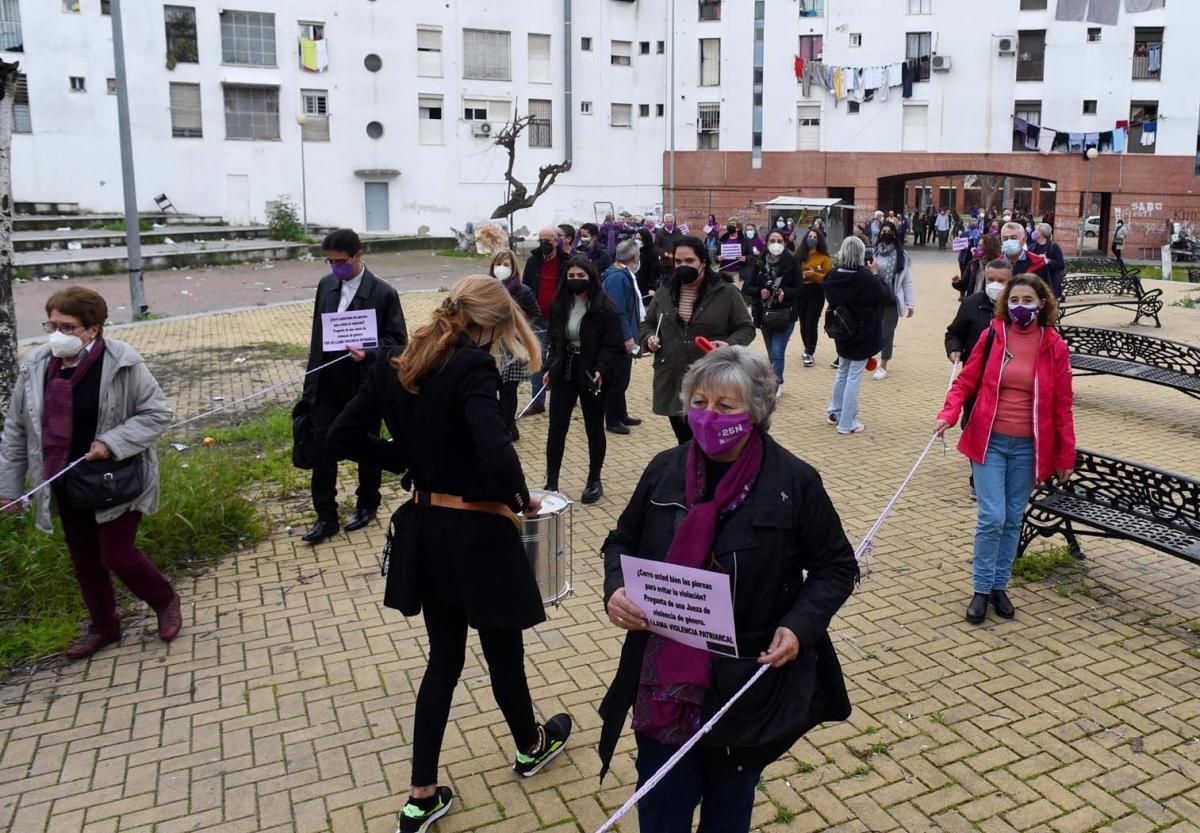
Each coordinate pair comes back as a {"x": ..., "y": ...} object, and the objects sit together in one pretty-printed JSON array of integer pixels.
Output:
[{"x": 1091, "y": 227}]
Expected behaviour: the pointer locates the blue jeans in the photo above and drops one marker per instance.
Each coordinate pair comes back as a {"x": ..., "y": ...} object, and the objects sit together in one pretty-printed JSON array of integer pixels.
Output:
[
  {"x": 777, "y": 342},
  {"x": 844, "y": 402},
  {"x": 535, "y": 382},
  {"x": 726, "y": 801},
  {"x": 1003, "y": 483}
]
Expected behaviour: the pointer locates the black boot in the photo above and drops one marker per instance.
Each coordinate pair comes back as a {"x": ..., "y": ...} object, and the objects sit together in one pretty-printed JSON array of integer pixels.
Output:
[
  {"x": 1004, "y": 607},
  {"x": 592, "y": 492},
  {"x": 977, "y": 609}
]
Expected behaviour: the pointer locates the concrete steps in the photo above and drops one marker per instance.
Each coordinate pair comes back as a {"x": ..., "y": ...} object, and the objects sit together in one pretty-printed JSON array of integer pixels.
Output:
[
  {"x": 78, "y": 222},
  {"x": 33, "y": 241}
]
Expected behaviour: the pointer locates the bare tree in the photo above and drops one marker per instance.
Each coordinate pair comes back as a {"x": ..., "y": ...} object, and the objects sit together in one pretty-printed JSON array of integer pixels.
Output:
[
  {"x": 519, "y": 197},
  {"x": 990, "y": 187},
  {"x": 8, "y": 312}
]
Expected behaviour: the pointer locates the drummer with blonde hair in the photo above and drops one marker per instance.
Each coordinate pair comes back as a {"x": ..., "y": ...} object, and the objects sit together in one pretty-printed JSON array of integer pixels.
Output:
[{"x": 455, "y": 548}]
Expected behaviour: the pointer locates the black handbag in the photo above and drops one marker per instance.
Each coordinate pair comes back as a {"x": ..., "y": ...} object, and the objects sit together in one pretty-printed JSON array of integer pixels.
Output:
[
  {"x": 304, "y": 452},
  {"x": 102, "y": 484},
  {"x": 776, "y": 318}
]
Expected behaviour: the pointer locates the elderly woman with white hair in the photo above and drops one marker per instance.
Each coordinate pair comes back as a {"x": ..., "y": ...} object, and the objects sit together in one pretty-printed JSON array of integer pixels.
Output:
[
  {"x": 854, "y": 298},
  {"x": 733, "y": 501}
]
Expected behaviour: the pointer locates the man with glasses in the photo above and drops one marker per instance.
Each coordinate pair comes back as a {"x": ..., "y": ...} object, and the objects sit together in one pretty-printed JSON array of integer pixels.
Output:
[{"x": 348, "y": 286}]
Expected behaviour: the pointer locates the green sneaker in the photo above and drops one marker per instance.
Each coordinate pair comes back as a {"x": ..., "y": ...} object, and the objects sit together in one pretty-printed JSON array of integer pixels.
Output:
[
  {"x": 419, "y": 817},
  {"x": 552, "y": 740}
]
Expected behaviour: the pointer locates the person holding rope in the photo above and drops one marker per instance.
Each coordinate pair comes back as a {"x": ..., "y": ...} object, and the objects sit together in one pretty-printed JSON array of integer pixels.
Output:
[
  {"x": 87, "y": 396},
  {"x": 1021, "y": 431},
  {"x": 734, "y": 501},
  {"x": 454, "y": 550}
]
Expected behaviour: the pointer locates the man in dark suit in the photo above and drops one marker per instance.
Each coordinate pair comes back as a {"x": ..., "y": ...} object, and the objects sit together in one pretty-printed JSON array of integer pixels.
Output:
[{"x": 348, "y": 286}]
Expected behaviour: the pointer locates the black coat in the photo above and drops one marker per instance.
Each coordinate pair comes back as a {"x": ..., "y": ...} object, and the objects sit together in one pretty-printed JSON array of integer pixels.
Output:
[
  {"x": 975, "y": 315},
  {"x": 449, "y": 437},
  {"x": 527, "y": 301},
  {"x": 601, "y": 341},
  {"x": 346, "y": 377},
  {"x": 786, "y": 528},
  {"x": 786, "y": 270},
  {"x": 650, "y": 270},
  {"x": 864, "y": 293},
  {"x": 532, "y": 275}
]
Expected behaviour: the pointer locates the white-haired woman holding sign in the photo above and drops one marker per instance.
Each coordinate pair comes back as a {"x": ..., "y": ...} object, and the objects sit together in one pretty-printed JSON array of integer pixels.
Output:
[{"x": 733, "y": 501}]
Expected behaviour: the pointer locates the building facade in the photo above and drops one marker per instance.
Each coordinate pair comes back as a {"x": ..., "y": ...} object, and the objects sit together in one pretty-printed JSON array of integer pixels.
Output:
[{"x": 713, "y": 106}]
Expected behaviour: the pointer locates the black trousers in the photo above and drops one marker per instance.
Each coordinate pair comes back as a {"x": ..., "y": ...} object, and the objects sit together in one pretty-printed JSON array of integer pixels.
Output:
[
  {"x": 809, "y": 303},
  {"x": 682, "y": 428},
  {"x": 615, "y": 407},
  {"x": 324, "y": 472},
  {"x": 563, "y": 396},
  {"x": 508, "y": 404},
  {"x": 504, "y": 652}
]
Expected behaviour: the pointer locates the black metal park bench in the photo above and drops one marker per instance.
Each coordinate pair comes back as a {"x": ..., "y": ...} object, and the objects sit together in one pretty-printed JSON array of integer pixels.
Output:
[
  {"x": 1085, "y": 292},
  {"x": 1095, "y": 264},
  {"x": 1115, "y": 498},
  {"x": 1096, "y": 351}
]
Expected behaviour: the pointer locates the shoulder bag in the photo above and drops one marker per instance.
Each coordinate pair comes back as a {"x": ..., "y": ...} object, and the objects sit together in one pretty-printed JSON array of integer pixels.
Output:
[{"x": 103, "y": 484}]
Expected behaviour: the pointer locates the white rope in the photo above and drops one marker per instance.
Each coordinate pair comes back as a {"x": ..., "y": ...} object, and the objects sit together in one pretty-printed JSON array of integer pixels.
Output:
[
  {"x": 860, "y": 554},
  {"x": 531, "y": 401},
  {"x": 180, "y": 424}
]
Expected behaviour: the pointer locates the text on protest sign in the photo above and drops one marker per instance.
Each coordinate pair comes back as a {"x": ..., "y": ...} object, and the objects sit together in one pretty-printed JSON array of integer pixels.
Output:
[
  {"x": 690, "y": 606},
  {"x": 353, "y": 328}
]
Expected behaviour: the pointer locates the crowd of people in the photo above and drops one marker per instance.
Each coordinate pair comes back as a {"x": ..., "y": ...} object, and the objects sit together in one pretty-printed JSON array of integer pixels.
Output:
[{"x": 572, "y": 320}]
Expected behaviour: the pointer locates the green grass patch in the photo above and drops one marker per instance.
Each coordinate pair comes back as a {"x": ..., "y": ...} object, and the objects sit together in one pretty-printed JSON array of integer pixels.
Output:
[
  {"x": 1042, "y": 564},
  {"x": 805, "y": 767},
  {"x": 458, "y": 253},
  {"x": 861, "y": 771},
  {"x": 210, "y": 505},
  {"x": 783, "y": 815},
  {"x": 119, "y": 225},
  {"x": 1187, "y": 302},
  {"x": 278, "y": 351}
]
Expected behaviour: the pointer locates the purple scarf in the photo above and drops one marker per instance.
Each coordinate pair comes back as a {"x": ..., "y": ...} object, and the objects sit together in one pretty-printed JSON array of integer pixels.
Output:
[
  {"x": 675, "y": 677},
  {"x": 57, "y": 411}
]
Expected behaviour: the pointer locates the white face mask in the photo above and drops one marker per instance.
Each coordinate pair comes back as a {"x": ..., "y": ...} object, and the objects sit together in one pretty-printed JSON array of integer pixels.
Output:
[
  {"x": 775, "y": 249},
  {"x": 503, "y": 272},
  {"x": 64, "y": 346},
  {"x": 993, "y": 290}
]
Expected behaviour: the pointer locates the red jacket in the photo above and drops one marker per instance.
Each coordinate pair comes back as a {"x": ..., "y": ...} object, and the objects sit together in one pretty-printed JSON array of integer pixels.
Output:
[{"x": 1053, "y": 423}]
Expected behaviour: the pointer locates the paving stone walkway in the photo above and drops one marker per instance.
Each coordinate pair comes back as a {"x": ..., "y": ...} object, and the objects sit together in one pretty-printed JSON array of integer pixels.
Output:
[{"x": 287, "y": 703}]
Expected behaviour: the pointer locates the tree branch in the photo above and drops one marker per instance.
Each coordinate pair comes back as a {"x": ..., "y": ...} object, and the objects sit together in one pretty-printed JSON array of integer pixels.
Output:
[{"x": 520, "y": 197}]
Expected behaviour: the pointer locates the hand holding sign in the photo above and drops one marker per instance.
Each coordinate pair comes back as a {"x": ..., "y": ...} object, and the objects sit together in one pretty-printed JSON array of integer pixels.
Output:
[{"x": 690, "y": 606}]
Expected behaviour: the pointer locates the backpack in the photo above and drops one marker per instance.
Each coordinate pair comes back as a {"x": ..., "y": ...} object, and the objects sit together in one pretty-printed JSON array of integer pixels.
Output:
[{"x": 840, "y": 323}]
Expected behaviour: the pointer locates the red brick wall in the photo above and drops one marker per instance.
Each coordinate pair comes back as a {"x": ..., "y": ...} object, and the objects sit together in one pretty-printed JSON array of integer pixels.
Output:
[{"x": 724, "y": 184}]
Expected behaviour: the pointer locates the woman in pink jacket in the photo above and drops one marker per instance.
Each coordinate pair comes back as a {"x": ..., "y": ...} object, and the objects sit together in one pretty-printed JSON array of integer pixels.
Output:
[{"x": 1020, "y": 432}]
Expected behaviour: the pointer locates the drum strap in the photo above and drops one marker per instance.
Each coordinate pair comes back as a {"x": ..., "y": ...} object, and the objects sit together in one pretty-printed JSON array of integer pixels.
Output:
[{"x": 492, "y": 507}]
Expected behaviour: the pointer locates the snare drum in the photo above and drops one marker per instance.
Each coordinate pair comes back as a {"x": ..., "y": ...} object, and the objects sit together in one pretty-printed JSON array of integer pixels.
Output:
[{"x": 547, "y": 540}]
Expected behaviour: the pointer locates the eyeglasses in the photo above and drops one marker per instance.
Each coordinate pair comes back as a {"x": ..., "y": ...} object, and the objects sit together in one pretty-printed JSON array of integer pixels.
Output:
[{"x": 65, "y": 329}]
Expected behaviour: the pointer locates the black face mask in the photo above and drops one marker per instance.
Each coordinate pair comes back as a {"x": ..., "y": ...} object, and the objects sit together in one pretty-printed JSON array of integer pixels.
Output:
[
  {"x": 545, "y": 248},
  {"x": 585, "y": 242},
  {"x": 578, "y": 286},
  {"x": 731, "y": 229},
  {"x": 886, "y": 238},
  {"x": 687, "y": 274}
]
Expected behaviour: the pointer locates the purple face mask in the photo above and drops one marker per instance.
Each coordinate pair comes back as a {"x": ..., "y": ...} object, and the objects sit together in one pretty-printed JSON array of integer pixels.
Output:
[
  {"x": 1023, "y": 314},
  {"x": 717, "y": 433},
  {"x": 343, "y": 271}
]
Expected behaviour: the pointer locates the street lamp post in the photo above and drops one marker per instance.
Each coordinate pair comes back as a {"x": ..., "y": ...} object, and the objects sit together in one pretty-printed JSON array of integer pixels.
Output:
[
  {"x": 301, "y": 120},
  {"x": 1090, "y": 155},
  {"x": 133, "y": 238}
]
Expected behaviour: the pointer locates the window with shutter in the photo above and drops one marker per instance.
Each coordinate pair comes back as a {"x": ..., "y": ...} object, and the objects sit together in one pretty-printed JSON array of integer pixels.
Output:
[
  {"x": 11, "y": 39},
  {"x": 429, "y": 52},
  {"x": 185, "y": 111},
  {"x": 22, "y": 118},
  {"x": 708, "y": 126},
  {"x": 429, "y": 112},
  {"x": 316, "y": 115},
  {"x": 486, "y": 55},
  {"x": 540, "y": 127},
  {"x": 919, "y": 47},
  {"x": 622, "y": 53},
  {"x": 251, "y": 112},
  {"x": 710, "y": 62},
  {"x": 621, "y": 115},
  {"x": 808, "y": 127},
  {"x": 539, "y": 59}
]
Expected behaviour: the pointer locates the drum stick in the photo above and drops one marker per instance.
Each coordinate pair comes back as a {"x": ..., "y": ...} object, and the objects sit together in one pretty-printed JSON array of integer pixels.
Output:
[{"x": 658, "y": 329}]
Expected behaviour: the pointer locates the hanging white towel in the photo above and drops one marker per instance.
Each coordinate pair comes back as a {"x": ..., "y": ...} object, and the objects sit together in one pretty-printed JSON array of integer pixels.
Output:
[
  {"x": 1046, "y": 140},
  {"x": 1134, "y": 6}
]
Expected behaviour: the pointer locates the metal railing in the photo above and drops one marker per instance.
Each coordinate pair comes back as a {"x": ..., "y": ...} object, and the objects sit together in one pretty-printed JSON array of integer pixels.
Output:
[{"x": 1142, "y": 71}]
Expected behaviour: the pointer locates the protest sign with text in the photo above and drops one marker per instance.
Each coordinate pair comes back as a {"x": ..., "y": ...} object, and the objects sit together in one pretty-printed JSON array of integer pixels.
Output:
[
  {"x": 690, "y": 606},
  {"x": 353, "y": 328}
]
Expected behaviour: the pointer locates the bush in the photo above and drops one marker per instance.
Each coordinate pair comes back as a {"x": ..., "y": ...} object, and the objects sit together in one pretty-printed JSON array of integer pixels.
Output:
[
  {"x": 285, "y": 222},
  {"x": 211, "y": 505}
]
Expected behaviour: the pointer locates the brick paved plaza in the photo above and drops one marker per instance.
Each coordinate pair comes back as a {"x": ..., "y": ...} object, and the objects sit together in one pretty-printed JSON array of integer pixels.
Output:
[{"x": 286, "y": 704}]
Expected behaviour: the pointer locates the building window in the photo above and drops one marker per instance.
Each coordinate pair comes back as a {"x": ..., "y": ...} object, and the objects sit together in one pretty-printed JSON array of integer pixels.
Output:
[
  {"x": 110, "y": 84},
  {"x": 660, "y": 47},
  {"x": 311, "y": 31},
  {"x": 11, "y": 39},
  {"x": 482, "y": 109},
  {"x": 314, "y": 105},
  {"x": 644, "y": 47},
  {"x": 585, "y": 44},
  {"x": 106, "y": 7},
  {"x": 643, "y": 111},
  {"x": 808, "y": 127},
  {"x": 1093, "y": 34},
  {"x": 622, "y": 53},
  {"x": 708, "y": 126},
  {"x": 621, "y": 115},
  {"x": 22, "y": 120},
  {"x": 812, "y": 8},
  {"x": 486, "y": 55},
  {"x": 1089, "y": 106},
  {"x": 852, "y": 108},
  {"x": 251, "y": 112},
  {"x": 248, "y": 38},
  {"x": 374, "y": 129},
  {"x": 811, "y": 47},
  {"x": 70, "y": 6},
  {"x": 541, "y": 132},
  {"x": 920, "y": 6},
  {"x": 710, "y": 62},
  {"x": 314, "y": 54},
  {"x": 585, "y": 108},
  {"x": 1147, "y": 53},
  {"x": 182, "y": 46},
  {"x": 914, "y": 127},
  {"x": 78, "y": 83},
  {"x": 185, "y": 111},
  {"x": 660, "y": 110},
  {"x": 539, "y": 59},
  {"x": 429, "y": 52},
  {"x": 373, "y": 62},
  {"x": 429, "y": 119},
  {"x": 1033, "y": 5},
  {"x": 1143, "y": 126},
  {"x": 1031, "y": 111},
  {"x": 919, "y": 48},
  {"x": 710, "y": 9},
  {"x": 1031, "y": 54},
  {"x": 856, "y": 38}
]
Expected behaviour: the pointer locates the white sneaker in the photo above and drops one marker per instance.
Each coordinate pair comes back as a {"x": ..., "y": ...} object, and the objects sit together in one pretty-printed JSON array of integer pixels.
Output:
[
  {"x": 879, "y": 374},
  {"x": 857, "y": 429},
  {"x": 778, "y": 391}
]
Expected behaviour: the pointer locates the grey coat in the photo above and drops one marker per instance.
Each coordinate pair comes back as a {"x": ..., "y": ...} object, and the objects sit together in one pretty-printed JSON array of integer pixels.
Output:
[{"x": 133, "y": 414}]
